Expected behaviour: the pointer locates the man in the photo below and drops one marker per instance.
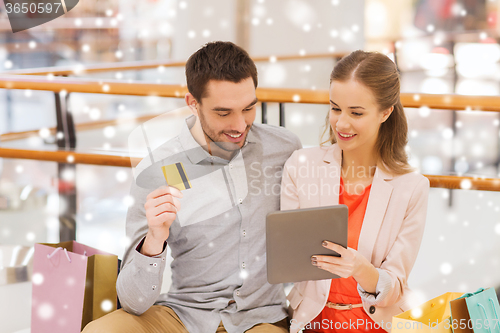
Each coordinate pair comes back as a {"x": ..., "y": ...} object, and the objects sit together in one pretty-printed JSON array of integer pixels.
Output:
[{"x": 217, "y": 237}]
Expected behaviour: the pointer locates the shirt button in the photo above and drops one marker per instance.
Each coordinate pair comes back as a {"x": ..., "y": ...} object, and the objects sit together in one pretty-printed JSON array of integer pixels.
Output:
[
  {"x": 237, "y": 293},
  {"x": 230, "y": 165},
  {"x": 240, "y": 200},
  {"x": 155, "y": 264},
  {"x": 372, "y": 309},
  {"x": 243, "y": 265},
  {"x": 244, "y": 233},
  {"x": 162, "y": 259},
  {"x": 154, "y": 287}
]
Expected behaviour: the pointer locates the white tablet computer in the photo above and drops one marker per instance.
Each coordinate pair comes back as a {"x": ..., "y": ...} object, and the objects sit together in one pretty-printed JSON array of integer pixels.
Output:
[{"x": 294, "y": 236}]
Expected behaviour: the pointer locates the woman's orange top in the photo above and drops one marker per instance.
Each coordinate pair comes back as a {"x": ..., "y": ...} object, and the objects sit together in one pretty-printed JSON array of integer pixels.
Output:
[{"x": 344, "y": 290}]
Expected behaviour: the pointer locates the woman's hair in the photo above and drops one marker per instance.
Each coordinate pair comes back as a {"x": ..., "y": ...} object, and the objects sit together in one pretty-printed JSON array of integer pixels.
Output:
[{"x": 380, "y": 75}]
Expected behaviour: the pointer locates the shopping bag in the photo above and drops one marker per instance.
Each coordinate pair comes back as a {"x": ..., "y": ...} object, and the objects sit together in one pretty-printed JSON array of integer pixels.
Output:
[
  {"x": 73, "y": 284},
  {"x": 476, "y": 312},
  {"x": 432, "y": 316},
  {"x": 16, "y": 263}
]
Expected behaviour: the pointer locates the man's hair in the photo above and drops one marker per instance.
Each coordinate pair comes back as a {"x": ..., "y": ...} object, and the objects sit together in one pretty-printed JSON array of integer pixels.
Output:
[{"x": 220, "y": 61}]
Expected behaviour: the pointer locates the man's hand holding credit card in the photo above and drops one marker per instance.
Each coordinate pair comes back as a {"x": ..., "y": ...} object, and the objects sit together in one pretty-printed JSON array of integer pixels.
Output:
[
  {"x": 175, "y": 175},
  {"x": 162, "y": 206}
]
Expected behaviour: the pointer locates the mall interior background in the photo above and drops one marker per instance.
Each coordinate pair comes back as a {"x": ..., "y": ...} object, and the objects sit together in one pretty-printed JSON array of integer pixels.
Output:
[{"x": 438, "y": 49}]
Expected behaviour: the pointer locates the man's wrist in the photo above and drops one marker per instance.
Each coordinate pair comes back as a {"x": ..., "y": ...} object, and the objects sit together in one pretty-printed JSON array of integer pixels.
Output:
[{"x": 152, "y": 247}]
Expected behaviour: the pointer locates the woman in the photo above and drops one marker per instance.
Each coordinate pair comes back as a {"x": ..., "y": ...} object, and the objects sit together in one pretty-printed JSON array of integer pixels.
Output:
[{"x": 365, "y": 168}]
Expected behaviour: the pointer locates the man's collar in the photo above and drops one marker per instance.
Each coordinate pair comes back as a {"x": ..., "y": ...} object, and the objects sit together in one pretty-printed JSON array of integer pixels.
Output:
[{"x": 193, "y": 150}]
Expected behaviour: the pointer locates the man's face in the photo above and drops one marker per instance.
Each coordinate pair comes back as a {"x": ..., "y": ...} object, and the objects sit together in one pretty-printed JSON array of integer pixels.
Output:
[{"x": 227, "y": 112}]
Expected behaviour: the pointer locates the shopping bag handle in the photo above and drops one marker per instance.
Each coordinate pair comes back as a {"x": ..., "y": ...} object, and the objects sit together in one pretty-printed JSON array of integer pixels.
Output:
[
  {"x": 494, "y": 307},
  {"x": 485, "y": 315},
  {"x": 484, "y": 310},
  {"x": 56, "y": 250},
  {"x": 466, "y": 295}
]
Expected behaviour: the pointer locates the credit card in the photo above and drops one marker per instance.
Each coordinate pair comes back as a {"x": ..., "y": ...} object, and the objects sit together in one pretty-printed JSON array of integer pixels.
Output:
[{"x": 176, "y": 176}]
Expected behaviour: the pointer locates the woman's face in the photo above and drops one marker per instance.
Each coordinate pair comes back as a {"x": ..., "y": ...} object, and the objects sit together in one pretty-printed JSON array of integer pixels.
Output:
[{"x": 354, "y": 116}]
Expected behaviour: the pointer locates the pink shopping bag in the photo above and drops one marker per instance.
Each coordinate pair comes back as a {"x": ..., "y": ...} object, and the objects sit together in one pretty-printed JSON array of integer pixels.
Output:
[{"x": 73, "y": 284}]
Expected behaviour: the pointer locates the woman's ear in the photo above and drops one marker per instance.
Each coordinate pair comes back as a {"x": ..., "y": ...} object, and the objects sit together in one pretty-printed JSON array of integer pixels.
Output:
[
  {"x": 387, "y": 113},
  {"x": 191, "y": 102}
]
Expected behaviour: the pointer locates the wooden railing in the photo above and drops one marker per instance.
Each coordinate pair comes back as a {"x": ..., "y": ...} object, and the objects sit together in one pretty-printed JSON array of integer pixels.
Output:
[
  {"x": 78, "y": 85},
  {"x": 141, "y": 65},
  {"x": 71, "y": 157},
  {"x": 115, "y": 87},
  {"x": 449, "y": 182},
  {"x": 91, "y": 125},
  {"x": 471, "y": 36}
]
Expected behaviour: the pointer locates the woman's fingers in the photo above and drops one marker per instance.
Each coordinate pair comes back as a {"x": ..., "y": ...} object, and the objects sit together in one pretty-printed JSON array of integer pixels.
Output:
[
  {"x": 334, "y": 247},
  {"x": 327, "y": 259},
  {"x": 348, "y": 264},
  {"x": 335, "y": 265},
  {"x": 333, "y": 268}
]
